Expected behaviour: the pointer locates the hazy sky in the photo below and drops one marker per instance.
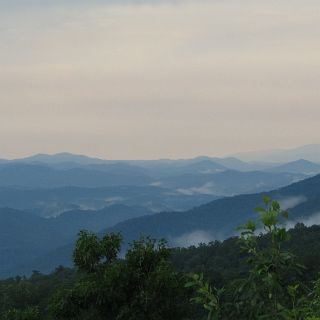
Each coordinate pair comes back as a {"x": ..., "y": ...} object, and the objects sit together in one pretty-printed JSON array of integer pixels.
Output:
[{"x": 152, "y": 79}]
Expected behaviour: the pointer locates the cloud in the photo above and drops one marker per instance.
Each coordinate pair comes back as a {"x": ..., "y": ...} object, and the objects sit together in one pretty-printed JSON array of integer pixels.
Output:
[
  {"x": 113, "y": 200},
  {"x": 206, "y": 189},
  {"x": 291, "y": 202},
  {"x": 156, "y": 184},
  {"x": 40, "y": 3},
  {"x": 312, "y": 220},
  {"x": 309, "y": 221},
  {"x": 193, "y": 238}
]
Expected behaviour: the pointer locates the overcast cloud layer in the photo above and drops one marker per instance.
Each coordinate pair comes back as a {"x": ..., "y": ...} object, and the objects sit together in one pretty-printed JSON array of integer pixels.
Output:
[{"x": 126, "y": 79}]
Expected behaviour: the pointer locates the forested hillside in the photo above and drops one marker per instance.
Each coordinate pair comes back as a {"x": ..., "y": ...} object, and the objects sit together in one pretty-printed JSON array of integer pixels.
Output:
[{"x": 153, "y": 282}]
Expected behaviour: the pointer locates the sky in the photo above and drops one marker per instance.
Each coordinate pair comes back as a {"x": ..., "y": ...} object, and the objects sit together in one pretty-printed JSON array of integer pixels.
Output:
[{"x": 158, "y": 79}]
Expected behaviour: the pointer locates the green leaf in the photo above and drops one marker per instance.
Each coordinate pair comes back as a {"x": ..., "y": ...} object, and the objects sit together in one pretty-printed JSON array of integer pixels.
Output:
[{"x": 266, "y": 200}]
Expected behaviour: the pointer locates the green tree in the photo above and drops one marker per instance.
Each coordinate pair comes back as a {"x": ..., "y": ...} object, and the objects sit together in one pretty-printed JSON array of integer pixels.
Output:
[
  {"x": 143, "y": 285},
  {"x": 30, "y": 313},
  {"x": 271, "y": 289},
  {"x": 268, "y": 292}
]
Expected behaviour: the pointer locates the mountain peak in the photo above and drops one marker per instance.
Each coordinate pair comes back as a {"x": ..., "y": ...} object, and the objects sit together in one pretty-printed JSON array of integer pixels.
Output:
[{"x": 61, "y": 157}]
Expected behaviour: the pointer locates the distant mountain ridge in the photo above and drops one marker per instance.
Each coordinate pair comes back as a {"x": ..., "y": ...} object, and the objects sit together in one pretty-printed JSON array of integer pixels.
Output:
[
  {"x": 238, "y": 161},
  {"x": 299, "y": 166},
  {"x": 60, "y": 158},
  {"x": 162, "y": 185},
  {"x": 308, "y": 152}
]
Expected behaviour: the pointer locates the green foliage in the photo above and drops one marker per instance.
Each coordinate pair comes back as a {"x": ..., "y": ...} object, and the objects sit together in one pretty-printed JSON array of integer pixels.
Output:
[
  {"x": 144, "y": 285},
  {"x": 206, "y": 295},
  {"x": 264, "y": 293},
  {"x": 20, "y": 296},
  {"x": 271, "y": 289},
  {"x": 27, "y": 314},
  {"x": 313, "y": 308},
  {"x": 92, "y": 253}
]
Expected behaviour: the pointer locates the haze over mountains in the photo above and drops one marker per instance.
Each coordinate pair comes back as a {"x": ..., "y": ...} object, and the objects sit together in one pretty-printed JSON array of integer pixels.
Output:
[
  {"x": 308, "y": 152},
  {"x": 50, "y": 241},
  {"x": 218, "y": 219},
  {"x": 49, "y": 185},
  {"x": 46, "y": 200}
]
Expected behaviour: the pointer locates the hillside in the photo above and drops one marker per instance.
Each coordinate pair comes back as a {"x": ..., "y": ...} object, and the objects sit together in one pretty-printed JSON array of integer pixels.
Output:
[
  {"x": 219, "y": 219},
  {"x": 48, "y": 202},
  {"x": 24, "y": 236},
  {"x": 43, "y": 176},
  {"x": 300, "y": 166},
  {"x": 224, "y": 261},
  {"x": 229, "y": 182},
  {"x": 216, "y": 220},
  {"x": 221, "y": 262}
]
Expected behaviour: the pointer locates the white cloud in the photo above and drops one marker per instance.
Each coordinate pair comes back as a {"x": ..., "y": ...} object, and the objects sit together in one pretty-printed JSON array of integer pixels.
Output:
[
  {"x": 156, "y": 184},
  {"x": 313, "y": 219},
  {"x": 113, "y": 200},
  {"x": 193, "y": 238},
  {"x": 291, "y": 202},
  {"x": 207, "y": 189}
]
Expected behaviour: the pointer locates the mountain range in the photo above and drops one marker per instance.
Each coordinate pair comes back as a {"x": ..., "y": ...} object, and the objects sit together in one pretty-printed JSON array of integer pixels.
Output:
[
  {"x": 308, "y": 152},
  {"x": 45, "y": 200},
  {"x": 51, "y": 184},
  {"x": 299, "y": 166},
  {"x": 220, "y": 218},
  {"x": 216, "y": 220}
]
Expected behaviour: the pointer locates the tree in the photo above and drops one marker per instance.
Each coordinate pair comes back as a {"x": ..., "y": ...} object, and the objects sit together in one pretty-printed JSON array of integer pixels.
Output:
[
  {"x": 272, "y": 289},
  {"x": 143, "y": 285},
  {"x": 26, "y": 314}
]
